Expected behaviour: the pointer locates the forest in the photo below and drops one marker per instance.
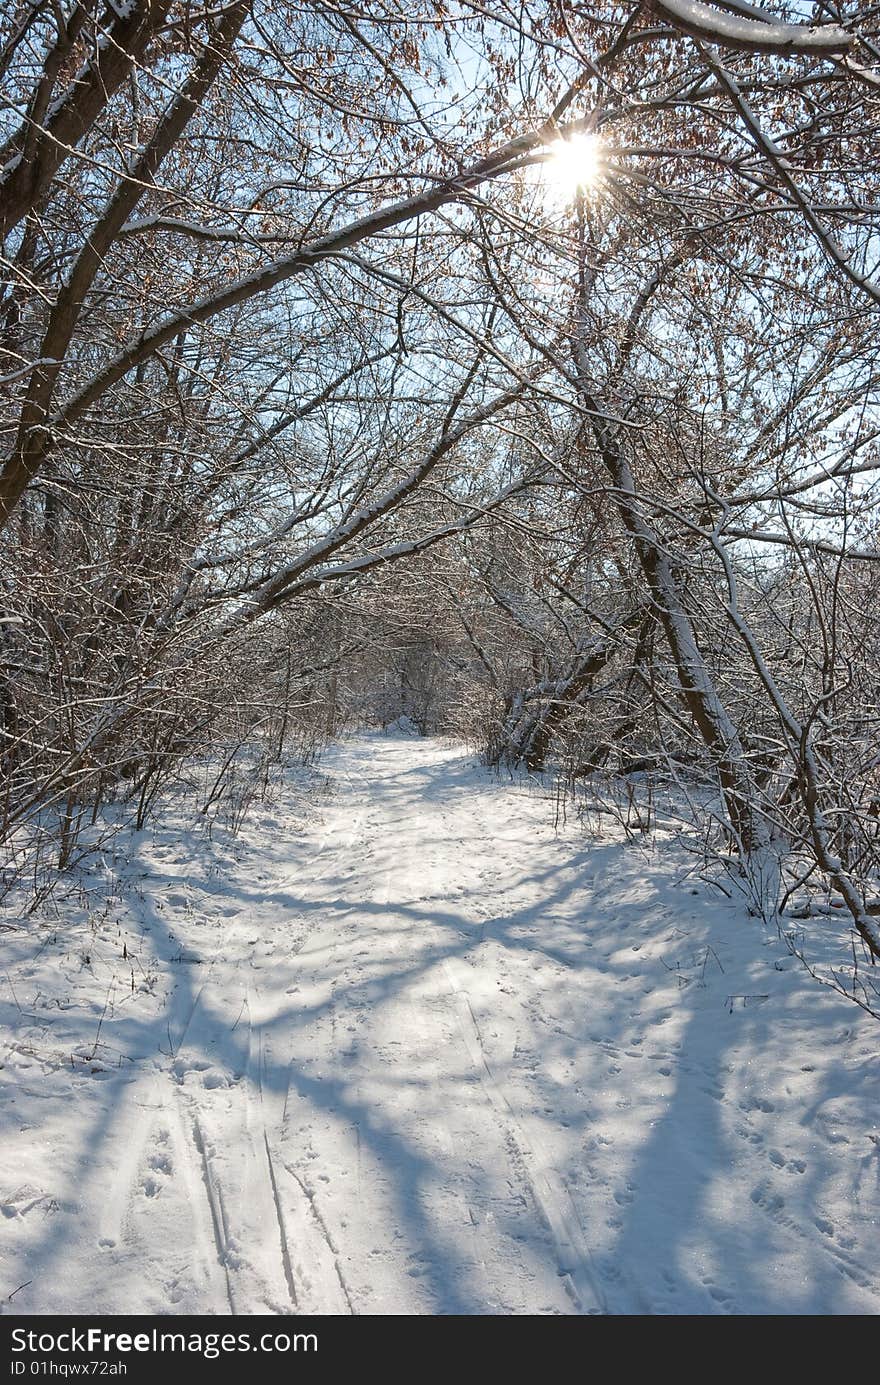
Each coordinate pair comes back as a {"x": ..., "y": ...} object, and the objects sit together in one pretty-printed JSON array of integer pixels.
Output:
[{"x": 451, "y": 422}]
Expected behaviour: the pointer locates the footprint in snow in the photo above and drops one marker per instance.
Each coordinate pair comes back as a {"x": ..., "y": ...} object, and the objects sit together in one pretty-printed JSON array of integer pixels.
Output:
[
  {"x": 751, "y": 1135},
  {"x": 215, "y": 1078},
  {"x": 721, "y": 1296},
  {"x": 771, "y": 1202},
  {"x": 22, "y": 1201},
  {"x": 757, "y": 1103},
  {"x": 182, "y": 1066}
]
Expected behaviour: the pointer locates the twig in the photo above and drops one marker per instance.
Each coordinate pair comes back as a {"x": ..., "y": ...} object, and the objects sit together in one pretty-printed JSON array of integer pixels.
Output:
[{"x": 101, "y": 1020}]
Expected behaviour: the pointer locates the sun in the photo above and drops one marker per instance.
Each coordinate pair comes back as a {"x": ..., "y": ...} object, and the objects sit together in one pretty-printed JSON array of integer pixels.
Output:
[{"x": 573, "y": 166}]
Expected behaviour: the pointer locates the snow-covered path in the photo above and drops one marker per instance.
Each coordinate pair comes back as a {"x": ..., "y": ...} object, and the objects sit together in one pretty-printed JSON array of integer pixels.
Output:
[{"x": 429, "y": 1056}]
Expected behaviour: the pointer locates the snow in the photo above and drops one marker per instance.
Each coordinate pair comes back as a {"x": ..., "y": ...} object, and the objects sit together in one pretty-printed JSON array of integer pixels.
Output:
[
  {"x": 400, "y": 1046},
  {"x": 727, "y": 29}
]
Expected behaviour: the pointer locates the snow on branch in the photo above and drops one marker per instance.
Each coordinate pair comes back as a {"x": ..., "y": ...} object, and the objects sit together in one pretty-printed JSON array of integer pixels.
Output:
[{"x": 754, "y": 35}]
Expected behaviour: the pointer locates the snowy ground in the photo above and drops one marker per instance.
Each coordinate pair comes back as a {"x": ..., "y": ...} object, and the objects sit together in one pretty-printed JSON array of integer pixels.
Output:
[{"x": 421, "y": 1054}]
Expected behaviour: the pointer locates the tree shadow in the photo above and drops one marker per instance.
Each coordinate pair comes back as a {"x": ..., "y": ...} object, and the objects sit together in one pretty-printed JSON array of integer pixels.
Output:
[{"x": 674, "y": 1213}]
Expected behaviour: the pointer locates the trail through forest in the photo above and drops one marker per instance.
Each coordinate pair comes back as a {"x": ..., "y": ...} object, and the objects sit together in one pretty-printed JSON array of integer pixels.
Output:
[{"x": 422, "y": 1053}]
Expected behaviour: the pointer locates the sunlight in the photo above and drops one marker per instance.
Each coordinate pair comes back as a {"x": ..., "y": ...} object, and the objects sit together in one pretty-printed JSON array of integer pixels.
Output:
[{"x": 574, "y": 166}]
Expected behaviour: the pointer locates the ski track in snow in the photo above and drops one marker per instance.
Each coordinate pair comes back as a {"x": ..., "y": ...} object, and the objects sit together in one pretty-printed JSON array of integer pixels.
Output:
[{"x": 427, "y": 1056}]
